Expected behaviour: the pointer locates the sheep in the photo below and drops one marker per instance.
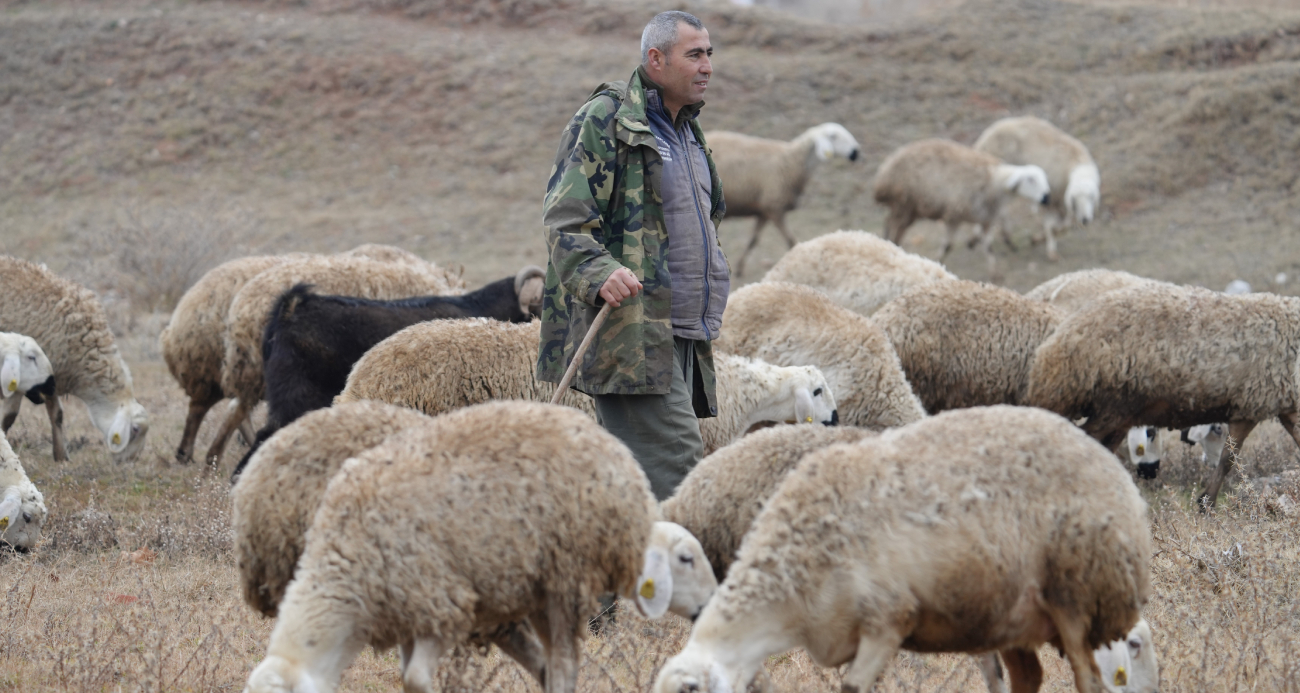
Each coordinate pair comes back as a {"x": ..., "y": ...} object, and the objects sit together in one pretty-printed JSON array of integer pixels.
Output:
[
  {"x": 481, "y": 360},
  {"x": 993, "y": 528},
  {"x": 534, "y": 522},
  {"x": 939, "y": 179},
  {"x": 69, "y": 323},
  {"x": 192, "y": 342},
  {"x": 1144, "y": 449},
  {"x": 1127, "y": 665},
  {"x": 795, "y": 325},
  {"x": 764, "y": 178},
  {"x": 718, "y": 500},
  {"x": 1073, "y": 290},
  {"x": 1027, "y": 140},
  {"x": 22, "y": 507},
  {"x": 241, "y": 368},
  {"x": 1174, "y": 357},
  {"x": 311, "y": 341},
  {"x": 855, "y": 269},
  {"x": 1211, "y": 438},
  {"x": 966, "y": 344},
  {"x": 25, "y": 371}
]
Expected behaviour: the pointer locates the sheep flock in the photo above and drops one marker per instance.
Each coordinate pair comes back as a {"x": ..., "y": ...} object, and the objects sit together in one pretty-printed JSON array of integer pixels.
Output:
[{"x": 901, "y": 459}]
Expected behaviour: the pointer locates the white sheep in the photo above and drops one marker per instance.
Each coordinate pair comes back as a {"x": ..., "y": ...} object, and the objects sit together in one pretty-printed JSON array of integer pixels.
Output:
[
  {"x": 855, "y": 269},
  {"x": 795, "y": 325},
  {"x": 1184, "y": 367},
  {"x": 538, "y": 512},
  {"x": 481, "y": 360},
  {"x": 25, "y": 371},
  {"x": 1143, "y": 448},
  {"x": 241, "y": 368},
  {"x": 69, "y": 323},
  {"x": 1070, "y": 170},
  {"x": 193, "y": 343},
  {"x": 940, "y": 179},
  {"x": 992, "y": 528},
  {"x": 22, "y": 507},
  {"x": 1212, "y": 438},
  {"x": 764, "y": 178}
]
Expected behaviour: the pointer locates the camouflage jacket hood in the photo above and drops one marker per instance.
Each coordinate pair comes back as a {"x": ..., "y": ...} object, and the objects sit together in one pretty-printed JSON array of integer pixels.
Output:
[{"x": 603, "y": 210}]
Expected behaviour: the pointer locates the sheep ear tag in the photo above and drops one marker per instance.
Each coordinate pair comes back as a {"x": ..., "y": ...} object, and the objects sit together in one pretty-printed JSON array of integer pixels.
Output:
[
  {"x": 1121, "y": 677},
  {"x": 9, "y": 374},
  {"x": 9, "y": 508},
  {"x": 119, "y": 434},
  {"x": 803, "y": 406},
  {"x": 654, "y": 588}
]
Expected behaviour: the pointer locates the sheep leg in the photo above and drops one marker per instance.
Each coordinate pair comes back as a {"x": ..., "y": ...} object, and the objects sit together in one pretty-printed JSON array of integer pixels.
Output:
[
  {"x": 896, "y": 224},
  {"x": 1049, "y": 228},
  {"x": 419, "y": 662},
  {"x": 1237, "y": 432},
  {"x": 193, "y": 420},
  {"x": 874, "y": 653},
  {"x": 233, "y": 419},
  {"x": 753, "y": 241},
  {"x": 564, "y": 628},
  {"x": 953, "y": 227},
  {"x": 1024, "y": 670},
  {"x": 1074, "y": 643},
  {"x": 12, "y": 404},
  {"x": 991, "y": 669},
  {"x": 520, "y": 642},
  {"x": 1289, "y": 422},
  {"x": 54, "y": 409},
  {"x": 246, "y": 432},
  {"x": 780, "y": 226},
  {"x": 987, "y": 246}
]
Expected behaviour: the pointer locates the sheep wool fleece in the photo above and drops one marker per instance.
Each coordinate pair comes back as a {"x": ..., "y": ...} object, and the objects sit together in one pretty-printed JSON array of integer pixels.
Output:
[{"x": 604, "y": 209}]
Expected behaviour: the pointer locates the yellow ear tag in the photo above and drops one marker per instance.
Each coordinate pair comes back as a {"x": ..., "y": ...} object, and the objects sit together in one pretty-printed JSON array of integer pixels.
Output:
[
  {"x": 4, "y": 523},
  {"x": 1121, "y": 678},
  {"x": 117, "y": 438},
  {"x": 648, "y": 589},
  {"x": 807, "y": 419},
  {"x": 13, "y": 384},
  {"x": 1142, "y": 449}
]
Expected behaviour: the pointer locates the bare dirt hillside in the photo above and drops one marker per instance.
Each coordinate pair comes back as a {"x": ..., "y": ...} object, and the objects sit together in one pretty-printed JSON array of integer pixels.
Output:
[{"x": 432, "y": 124}]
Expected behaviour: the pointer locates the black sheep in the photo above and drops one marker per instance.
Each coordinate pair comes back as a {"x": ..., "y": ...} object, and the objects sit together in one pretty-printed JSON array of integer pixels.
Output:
[{"x": 311, "y": 341}]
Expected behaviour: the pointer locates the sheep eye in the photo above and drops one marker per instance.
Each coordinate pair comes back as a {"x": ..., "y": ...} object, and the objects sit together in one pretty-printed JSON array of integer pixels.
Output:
[
  {"x": 27, "y": 517},
  {"x": 817, "y": 392},
  {"x": 687, "y": 559}
]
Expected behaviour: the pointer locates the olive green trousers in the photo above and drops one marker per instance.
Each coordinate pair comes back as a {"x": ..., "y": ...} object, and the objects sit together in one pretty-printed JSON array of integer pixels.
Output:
[{"x": 661, "y": 430}]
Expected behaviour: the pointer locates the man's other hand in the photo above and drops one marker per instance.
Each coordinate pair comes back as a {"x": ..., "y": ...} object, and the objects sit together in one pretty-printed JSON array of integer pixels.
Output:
[{"x": 620, "y": 285}]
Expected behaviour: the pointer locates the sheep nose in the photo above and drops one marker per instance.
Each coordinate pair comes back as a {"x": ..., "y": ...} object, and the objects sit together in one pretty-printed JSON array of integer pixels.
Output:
[
  {"x": 835, "y": 418},
  {"x": 853, "y": 155},
  {"x": 1086, "y": 220},
  {"x": 1047, "y": 199}
]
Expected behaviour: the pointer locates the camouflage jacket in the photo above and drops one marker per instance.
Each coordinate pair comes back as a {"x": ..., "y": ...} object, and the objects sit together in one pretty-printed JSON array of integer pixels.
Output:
[{"x": 603, "y": 210}]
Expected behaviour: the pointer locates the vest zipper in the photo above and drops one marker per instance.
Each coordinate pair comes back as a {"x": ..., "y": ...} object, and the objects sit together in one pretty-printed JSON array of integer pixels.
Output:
[{"x": 704, "y": 229}]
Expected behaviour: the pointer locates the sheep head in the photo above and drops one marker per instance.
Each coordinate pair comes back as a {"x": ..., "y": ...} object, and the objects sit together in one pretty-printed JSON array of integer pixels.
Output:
[
  {"x": 1027, "y": 181},
  {"x": 528, "y": 287},
  {"x": 676, "y": 576},
  {"x": 25, "y": 368},
  {"x": 831, "y": 140}
]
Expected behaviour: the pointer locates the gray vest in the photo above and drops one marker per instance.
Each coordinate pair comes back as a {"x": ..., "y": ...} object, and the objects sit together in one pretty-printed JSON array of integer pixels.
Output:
[{"x": 697, "y": 268}]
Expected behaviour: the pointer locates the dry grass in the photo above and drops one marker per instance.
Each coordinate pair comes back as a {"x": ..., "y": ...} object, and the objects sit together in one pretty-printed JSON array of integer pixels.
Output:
[{"x": 134, "y": 586}]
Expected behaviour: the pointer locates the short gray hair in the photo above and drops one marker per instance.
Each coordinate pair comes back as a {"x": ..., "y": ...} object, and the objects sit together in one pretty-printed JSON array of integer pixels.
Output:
[{"x": 661, "y": 32}]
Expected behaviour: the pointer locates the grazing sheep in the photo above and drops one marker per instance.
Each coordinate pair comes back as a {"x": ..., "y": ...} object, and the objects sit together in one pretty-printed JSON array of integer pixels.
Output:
[
  {"x": 1210, "y": 436},
  {"x": 795, "y": 325},
  {"x": 69, "y": 323},
  {"x": 385, "y": 253},
  {"x": 764, "y": 178},
  {"x": 966, "y": 344},
  {"x": 995, "y": 528},
  {"x": 534, "y": 522},
  {"x": 25, "y": 371},
  {"x": 311, "y": 341},
  {"x": 1027, "y": 140},
  {"x": 1127, "y": 665},
  {"x": 192, "y": 342},
  {"x": 718, "y": 500},
  {"x": 857, "y": 270},
  {"x": 1073, "y": 290},
  {"x": 482, "y": 360},
  {"x": 939, "y": 179},
  {"x": 22, "y": 507},
  {"x": 1173, "y": 357},
  {"x": 241, "y": 369}
]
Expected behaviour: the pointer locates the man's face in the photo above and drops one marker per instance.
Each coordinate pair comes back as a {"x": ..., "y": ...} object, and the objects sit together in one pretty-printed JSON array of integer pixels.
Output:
[{"x": 684, "y": 72}]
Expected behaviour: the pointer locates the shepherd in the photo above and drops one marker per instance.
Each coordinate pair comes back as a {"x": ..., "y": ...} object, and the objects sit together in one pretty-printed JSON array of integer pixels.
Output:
[{"x": 631, "y": 213}]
